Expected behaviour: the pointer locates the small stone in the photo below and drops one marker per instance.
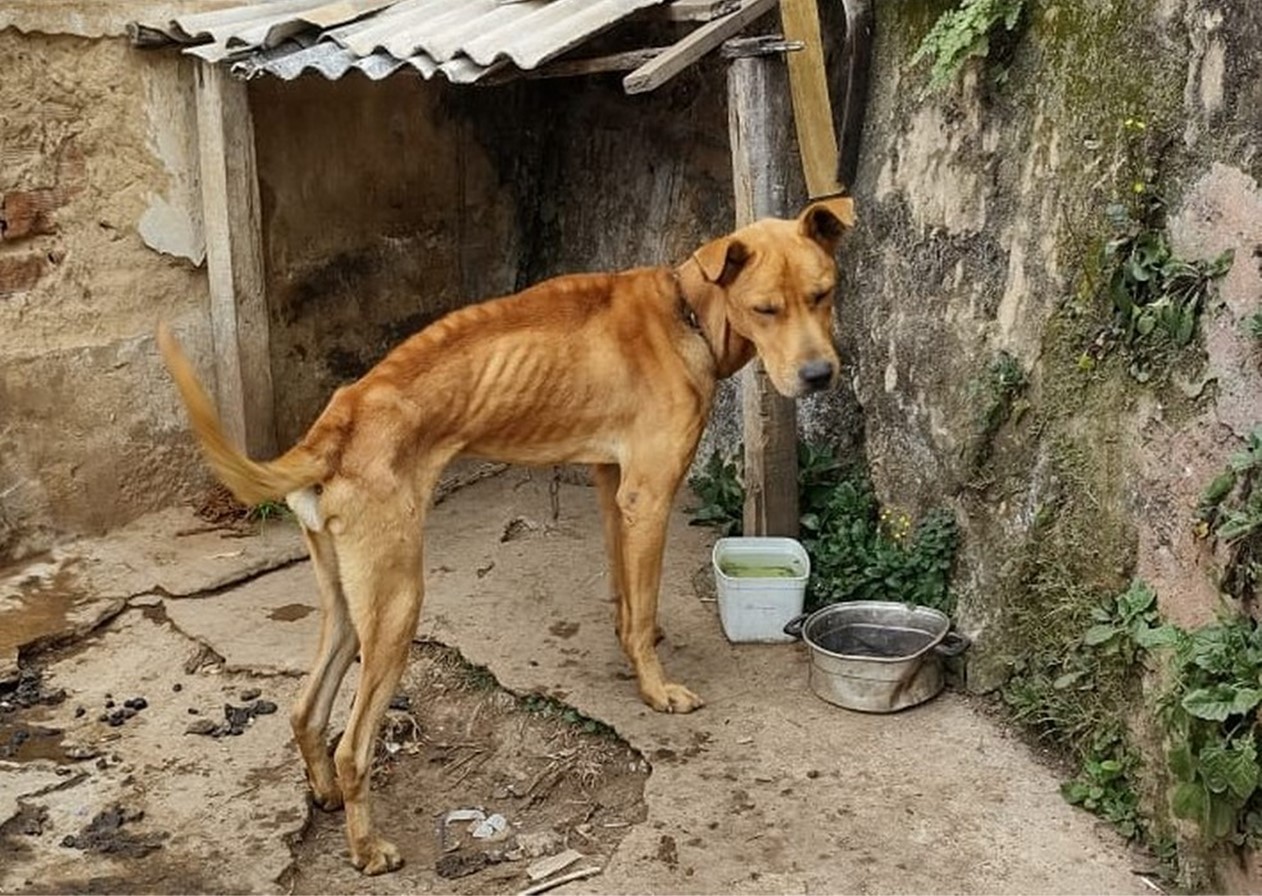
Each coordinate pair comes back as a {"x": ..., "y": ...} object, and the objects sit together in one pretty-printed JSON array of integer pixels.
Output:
[
  {"x": 140, "y": 703},
  {"x": 813, "y": 774},
  {"x": 115, "y": 721},
  {"x": 250, "y": 694},
  {"x": 109, "y": 704},
  {"x": 194, "y": 711},
  {"x": 177, "y": 687},
  {"x": 263, "y": 707},
  {"x": 103, "y": 717},
  {"x": 79, "y": 712},
  {"x": 127, "y": 712},
  {"x": 109, "y": 696},
  {"x": 201, "y": 726},
  {"x": 492, "y": 828}
]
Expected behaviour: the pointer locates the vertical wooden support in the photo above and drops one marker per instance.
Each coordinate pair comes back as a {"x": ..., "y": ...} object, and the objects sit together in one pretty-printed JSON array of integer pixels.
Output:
[
  {"x": 759, "y": 126},
  {"x": 234, "y": 260},
  {"x": 812, "y": 109}
]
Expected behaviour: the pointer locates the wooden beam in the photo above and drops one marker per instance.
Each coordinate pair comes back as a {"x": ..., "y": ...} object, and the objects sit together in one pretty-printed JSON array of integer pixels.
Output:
[
  {"x": 654, "y": 74},
  {"x": 234, "y": 260},
  {"x": 856, "y": 63},
  {"x": 760, "y": 132},
  {"x": 699, "y": 10},
  {"x": 812, "y": 110},
  {"x": 570, "y": 68}
]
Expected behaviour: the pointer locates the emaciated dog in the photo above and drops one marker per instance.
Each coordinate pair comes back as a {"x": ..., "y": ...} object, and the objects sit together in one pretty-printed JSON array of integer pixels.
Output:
[{"x": 613, "y": 370}]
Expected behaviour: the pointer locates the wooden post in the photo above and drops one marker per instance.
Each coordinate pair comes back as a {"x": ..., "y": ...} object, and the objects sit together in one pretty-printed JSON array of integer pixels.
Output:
[
  {"x": 760, "y": 130},
  {"x": 812, "y": 110},
  {"x": 234, "y": 260}
]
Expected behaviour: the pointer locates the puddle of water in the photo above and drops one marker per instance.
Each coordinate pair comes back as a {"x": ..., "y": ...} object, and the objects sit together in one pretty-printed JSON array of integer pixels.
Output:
[
  {"x": 41, "y": 607},
  {"x": 20, "y": 742},
  {"x": 291, "y": 612}
]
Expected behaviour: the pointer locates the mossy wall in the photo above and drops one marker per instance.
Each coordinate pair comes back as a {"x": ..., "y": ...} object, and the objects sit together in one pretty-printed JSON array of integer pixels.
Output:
[{"x": 982, "y": 221}]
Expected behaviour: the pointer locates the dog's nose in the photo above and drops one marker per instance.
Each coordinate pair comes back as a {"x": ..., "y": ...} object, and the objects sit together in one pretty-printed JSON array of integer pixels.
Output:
[{"x": 816, "y": 374}]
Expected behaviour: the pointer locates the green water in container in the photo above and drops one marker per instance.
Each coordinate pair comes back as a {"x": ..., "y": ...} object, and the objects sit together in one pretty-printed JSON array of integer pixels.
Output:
[{"x": 737, "y": 570}]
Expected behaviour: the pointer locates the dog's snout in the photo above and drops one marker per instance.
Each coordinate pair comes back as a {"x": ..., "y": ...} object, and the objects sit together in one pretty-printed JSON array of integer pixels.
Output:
[{"x": 816, "y": 375}]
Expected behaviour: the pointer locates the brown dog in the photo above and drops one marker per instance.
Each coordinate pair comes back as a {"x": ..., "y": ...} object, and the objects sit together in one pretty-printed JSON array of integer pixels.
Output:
[{"x": 613, "y": 370}]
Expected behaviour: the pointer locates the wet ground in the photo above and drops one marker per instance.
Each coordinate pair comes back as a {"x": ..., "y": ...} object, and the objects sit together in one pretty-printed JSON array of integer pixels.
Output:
[{"x": 144, "y": 742}]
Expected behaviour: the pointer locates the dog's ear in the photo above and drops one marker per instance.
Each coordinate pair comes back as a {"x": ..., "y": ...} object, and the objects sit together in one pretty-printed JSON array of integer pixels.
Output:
[
  {"x": 825, "y": 221},
  {"x": 721, "y": 260}
]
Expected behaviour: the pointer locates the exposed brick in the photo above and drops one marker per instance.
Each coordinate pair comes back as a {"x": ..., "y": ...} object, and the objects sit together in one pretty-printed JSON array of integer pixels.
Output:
[
  {"x": 18, "y": 273},
  {"x": 25, "y": 213}
]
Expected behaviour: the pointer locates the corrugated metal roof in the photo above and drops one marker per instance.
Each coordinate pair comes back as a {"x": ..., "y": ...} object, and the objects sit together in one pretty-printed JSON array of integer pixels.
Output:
[{"x": 461, "y": 39}]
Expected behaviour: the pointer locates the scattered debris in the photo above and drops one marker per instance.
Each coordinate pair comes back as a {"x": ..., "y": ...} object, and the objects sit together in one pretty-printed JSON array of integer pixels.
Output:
[
  {"x": 537, "y": 871},
  {"x": 29, "y": 821},
  {"x": 202, "y": 656},
  {"x": 493, "y": 827},
  {"x": 558, "y": 881},
  {"x": 534, "y": 844},
  {"x": 453, "y": 865},
  {"x": 12, "y": 746},
  {"x": 105, "y": 834},
  {"x": 27, "y": 691},
  {"x": 518, "y": 527},
  {"x": 236, "y": 719}
]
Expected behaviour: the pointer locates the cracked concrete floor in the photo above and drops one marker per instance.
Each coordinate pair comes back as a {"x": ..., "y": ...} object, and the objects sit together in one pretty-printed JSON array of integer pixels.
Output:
[{"x": 766, "y": 789}]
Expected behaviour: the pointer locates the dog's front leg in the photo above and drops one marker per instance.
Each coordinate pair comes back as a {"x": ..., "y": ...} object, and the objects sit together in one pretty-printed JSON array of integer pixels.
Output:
[{"x": 643, "y": 500}]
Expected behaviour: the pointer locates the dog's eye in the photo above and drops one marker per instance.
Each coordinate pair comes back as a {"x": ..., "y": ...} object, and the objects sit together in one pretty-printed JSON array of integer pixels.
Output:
[
  {"x": 769, "y": 310},
  {"x": 821, "y": 297}
]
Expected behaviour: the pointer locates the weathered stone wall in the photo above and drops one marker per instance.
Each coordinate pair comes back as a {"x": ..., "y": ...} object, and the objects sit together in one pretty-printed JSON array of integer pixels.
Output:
[
  {"x": 983, "y": 216},
  {"x": 982, "y": 222},
  {"x": 95, "y": 144}
]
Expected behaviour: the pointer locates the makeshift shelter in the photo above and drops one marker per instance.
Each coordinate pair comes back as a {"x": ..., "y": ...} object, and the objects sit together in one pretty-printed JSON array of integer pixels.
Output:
[{"x": 480, "y": 42}]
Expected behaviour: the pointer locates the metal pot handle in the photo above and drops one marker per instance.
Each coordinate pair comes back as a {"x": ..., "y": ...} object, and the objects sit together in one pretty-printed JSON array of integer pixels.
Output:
[
  {"x": 793, "y": 628},
  {"x": 952, "y": 644}
]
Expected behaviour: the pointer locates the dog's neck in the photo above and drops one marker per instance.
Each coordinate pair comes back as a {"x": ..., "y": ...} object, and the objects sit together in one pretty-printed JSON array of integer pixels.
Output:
[{"x": 702, "y": 310}]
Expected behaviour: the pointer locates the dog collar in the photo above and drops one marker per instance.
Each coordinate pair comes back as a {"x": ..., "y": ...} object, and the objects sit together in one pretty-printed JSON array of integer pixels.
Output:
[{"x": 686, "y": 310}]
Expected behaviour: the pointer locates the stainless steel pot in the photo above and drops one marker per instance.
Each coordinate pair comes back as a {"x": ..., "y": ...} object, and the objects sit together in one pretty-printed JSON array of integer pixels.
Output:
[{"x": 877, "y": 656}]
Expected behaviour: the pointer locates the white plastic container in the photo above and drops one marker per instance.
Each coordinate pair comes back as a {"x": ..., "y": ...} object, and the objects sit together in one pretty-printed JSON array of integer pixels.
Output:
[{"x": 754, "y": 607}]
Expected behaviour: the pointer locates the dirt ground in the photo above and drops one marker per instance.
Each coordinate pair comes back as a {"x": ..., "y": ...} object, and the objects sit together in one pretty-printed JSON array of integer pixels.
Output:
[{"x": 766, "y": 789}]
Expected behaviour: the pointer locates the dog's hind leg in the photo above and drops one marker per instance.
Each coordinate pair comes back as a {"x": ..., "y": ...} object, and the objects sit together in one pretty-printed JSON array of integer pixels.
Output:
[
  {"x": 607, "y": 477},
  {"x": 338, "y": 646},
  {"x": 379, "y": 556}
]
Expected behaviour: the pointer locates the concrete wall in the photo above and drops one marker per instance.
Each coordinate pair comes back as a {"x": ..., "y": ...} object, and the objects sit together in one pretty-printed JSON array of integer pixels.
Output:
[
  {"x": 381, "y": 211},
  {"x": 95, "y": 145}
]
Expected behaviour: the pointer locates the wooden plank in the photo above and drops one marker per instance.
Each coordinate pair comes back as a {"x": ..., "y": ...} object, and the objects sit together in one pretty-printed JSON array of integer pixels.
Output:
[
  {"x": 234, "y": 260},
  {"x": 812, "y": 109},
  {"x": 654, "y": 74},
  {"x": 856, "y": 64},
  {"x": 699, "y": 10},
  {"x": 570, "y": 68},
  {"x": 760, "y": 132}
]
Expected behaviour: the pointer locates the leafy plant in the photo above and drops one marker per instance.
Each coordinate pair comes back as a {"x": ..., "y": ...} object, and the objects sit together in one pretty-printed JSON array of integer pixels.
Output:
[
  {"x": 1153, "y": 291},
  {"x": 857, "y": 551},
  {"x": 1230, "y": 510},
  {"x": 964, "y": 33},
  {"x": 722, "y": 494},
  {"x": 1105, "y": 784},
  {"x": 550, "y": 708},
  {"x": 1210, "y": 710},
  {"x": 1253, "y": 323},
  {"x": 269, "y": 510}
]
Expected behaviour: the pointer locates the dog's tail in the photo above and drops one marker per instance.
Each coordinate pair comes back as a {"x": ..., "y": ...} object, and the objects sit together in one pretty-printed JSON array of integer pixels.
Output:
[{"x": 251, "y": 482}]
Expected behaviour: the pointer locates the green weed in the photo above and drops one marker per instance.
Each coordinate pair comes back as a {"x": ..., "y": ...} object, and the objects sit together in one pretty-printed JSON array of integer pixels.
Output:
[
  {"x": 858, "y": 550},
  {"x": 965, "y": 33}
]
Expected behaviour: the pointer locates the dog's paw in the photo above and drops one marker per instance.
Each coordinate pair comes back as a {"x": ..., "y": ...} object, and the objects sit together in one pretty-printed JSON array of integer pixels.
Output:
[
  {"x": 376, "y": 856},
  {"x": 329, "y": 802},
  {"x": 673, "y": 698}
]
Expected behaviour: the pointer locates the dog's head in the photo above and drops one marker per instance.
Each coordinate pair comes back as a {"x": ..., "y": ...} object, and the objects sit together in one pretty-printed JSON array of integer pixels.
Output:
[{"x": 770, "y": 285}]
